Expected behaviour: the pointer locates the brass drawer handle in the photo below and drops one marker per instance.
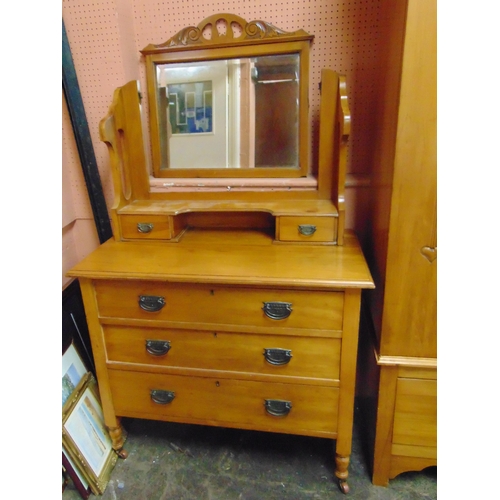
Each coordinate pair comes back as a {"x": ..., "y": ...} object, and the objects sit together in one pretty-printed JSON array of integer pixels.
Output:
[
  {"x": 161, "y": 397},
  {"x": 277, "y": 310},
  {"x": 277, "y": 356},
  {"x": 158, "y": 347},
  {"x": 145, "y": 227},
  {"x": 151, "y": 303},
  {"x": 307, "y": 229},
  {"x": 277, "y": 407}
]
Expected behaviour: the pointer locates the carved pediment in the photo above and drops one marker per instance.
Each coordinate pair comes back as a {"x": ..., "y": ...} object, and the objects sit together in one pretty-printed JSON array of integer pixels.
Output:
[{"x": 224, "y": 29}]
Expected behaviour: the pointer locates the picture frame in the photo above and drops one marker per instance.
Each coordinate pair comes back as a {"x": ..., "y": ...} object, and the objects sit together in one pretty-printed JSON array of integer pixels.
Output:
[
  {"x": 65, "y": 479},
  {"x": 86, "y": 440},
  {"x": 73, "y": 369},
  {"x": 79, "y": 481}
]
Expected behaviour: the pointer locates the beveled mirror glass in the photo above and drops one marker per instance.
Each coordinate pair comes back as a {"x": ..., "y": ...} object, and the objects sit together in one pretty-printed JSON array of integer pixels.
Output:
[
  {"x": 229, "y": 99},
  {"x": 232, "y": 113}
]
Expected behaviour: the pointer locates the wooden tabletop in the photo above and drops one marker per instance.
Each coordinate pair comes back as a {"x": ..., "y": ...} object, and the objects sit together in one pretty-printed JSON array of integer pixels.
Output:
[{"x": 249, "y": 258}]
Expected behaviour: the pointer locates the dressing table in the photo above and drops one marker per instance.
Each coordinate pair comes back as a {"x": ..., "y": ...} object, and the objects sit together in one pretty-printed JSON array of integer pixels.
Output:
[{"x": 230, "y": 293}]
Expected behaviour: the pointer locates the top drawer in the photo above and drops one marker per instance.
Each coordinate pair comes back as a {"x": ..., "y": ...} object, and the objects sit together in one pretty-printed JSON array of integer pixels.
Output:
[{"x": 214, "y": 305}]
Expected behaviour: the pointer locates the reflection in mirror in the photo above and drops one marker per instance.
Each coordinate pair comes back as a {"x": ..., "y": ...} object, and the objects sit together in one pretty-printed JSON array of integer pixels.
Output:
[{"x": 231, "y": 113}]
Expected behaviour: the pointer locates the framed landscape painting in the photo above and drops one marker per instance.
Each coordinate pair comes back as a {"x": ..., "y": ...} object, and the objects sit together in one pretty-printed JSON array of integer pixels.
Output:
[
  {"x": 73, "y": 369},
  {"x": 85, "y": 437}
]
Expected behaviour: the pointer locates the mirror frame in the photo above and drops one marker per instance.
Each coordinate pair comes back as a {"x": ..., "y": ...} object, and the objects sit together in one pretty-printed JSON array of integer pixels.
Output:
[{"x": 257, "y": 38}]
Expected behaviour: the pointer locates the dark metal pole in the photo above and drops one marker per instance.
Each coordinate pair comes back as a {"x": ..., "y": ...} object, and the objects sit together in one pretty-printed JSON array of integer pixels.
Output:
[{"x": 84, "y": 142}]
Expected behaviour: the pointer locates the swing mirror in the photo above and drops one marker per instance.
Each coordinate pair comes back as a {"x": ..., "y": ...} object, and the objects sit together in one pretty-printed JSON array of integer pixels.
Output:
[{"x": 229, "y": 99}]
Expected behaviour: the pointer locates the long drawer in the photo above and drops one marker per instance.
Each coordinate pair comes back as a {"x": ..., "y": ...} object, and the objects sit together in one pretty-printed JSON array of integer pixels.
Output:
[
  {"x": 266, "y": 354},
  {"x": 276, "y": 407},
  {"x": 212, "y": 305}
]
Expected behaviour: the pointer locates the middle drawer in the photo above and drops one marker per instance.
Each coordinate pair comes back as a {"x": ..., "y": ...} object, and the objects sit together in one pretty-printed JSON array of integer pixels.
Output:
[
  {"x": 208, "y": 306},
  {"x": 293, "y": 356}
]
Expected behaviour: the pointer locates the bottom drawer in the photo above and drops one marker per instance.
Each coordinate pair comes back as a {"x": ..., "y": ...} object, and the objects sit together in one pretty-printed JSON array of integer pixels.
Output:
[
  {"x": 415, "y": 416},
  {"x": 232, "y": 403}
]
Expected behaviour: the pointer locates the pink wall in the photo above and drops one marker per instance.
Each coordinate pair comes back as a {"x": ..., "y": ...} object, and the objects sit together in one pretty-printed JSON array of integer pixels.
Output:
[
  {"x": 105, "y": 39},
  {"x": 79, "y": 236}
]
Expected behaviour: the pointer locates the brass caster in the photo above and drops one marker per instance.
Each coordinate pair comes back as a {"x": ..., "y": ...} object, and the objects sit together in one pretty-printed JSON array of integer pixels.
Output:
[
  {"x": 122, "y": 453},
  {"x": 344, "y": 487}
]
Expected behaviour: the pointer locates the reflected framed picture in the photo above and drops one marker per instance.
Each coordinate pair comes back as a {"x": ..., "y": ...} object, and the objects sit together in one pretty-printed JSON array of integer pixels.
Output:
[
  {"x": 190, "y": 107},
  {"x": 85, "y": 438},
  {"x": 73, "y": 369}
]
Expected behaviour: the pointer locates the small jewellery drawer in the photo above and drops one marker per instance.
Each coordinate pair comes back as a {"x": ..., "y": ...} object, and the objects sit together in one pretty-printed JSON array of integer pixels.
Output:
[
  {"x": 285, "y": 355},
  {"x": 290, "y": 408},
  {"x": 148, "y": 227},
  {"x": 305, "y": 228},
  {"x": 208, "y": 306}
]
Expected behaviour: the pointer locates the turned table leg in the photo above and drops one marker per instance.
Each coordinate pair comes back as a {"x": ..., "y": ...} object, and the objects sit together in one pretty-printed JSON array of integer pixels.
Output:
[
  {"x": 118, "y": 436},
  {"x": 342, "y": 464}
]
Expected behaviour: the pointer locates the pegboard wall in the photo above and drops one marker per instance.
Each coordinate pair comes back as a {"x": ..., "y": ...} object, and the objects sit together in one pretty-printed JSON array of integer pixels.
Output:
[{"x": 106, "y": 37}]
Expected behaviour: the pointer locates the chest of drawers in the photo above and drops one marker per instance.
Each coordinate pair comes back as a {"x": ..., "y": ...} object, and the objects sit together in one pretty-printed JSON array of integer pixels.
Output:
[
  {"x": 231, "y": 292},
  {"x": 227, "y": 331}
]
